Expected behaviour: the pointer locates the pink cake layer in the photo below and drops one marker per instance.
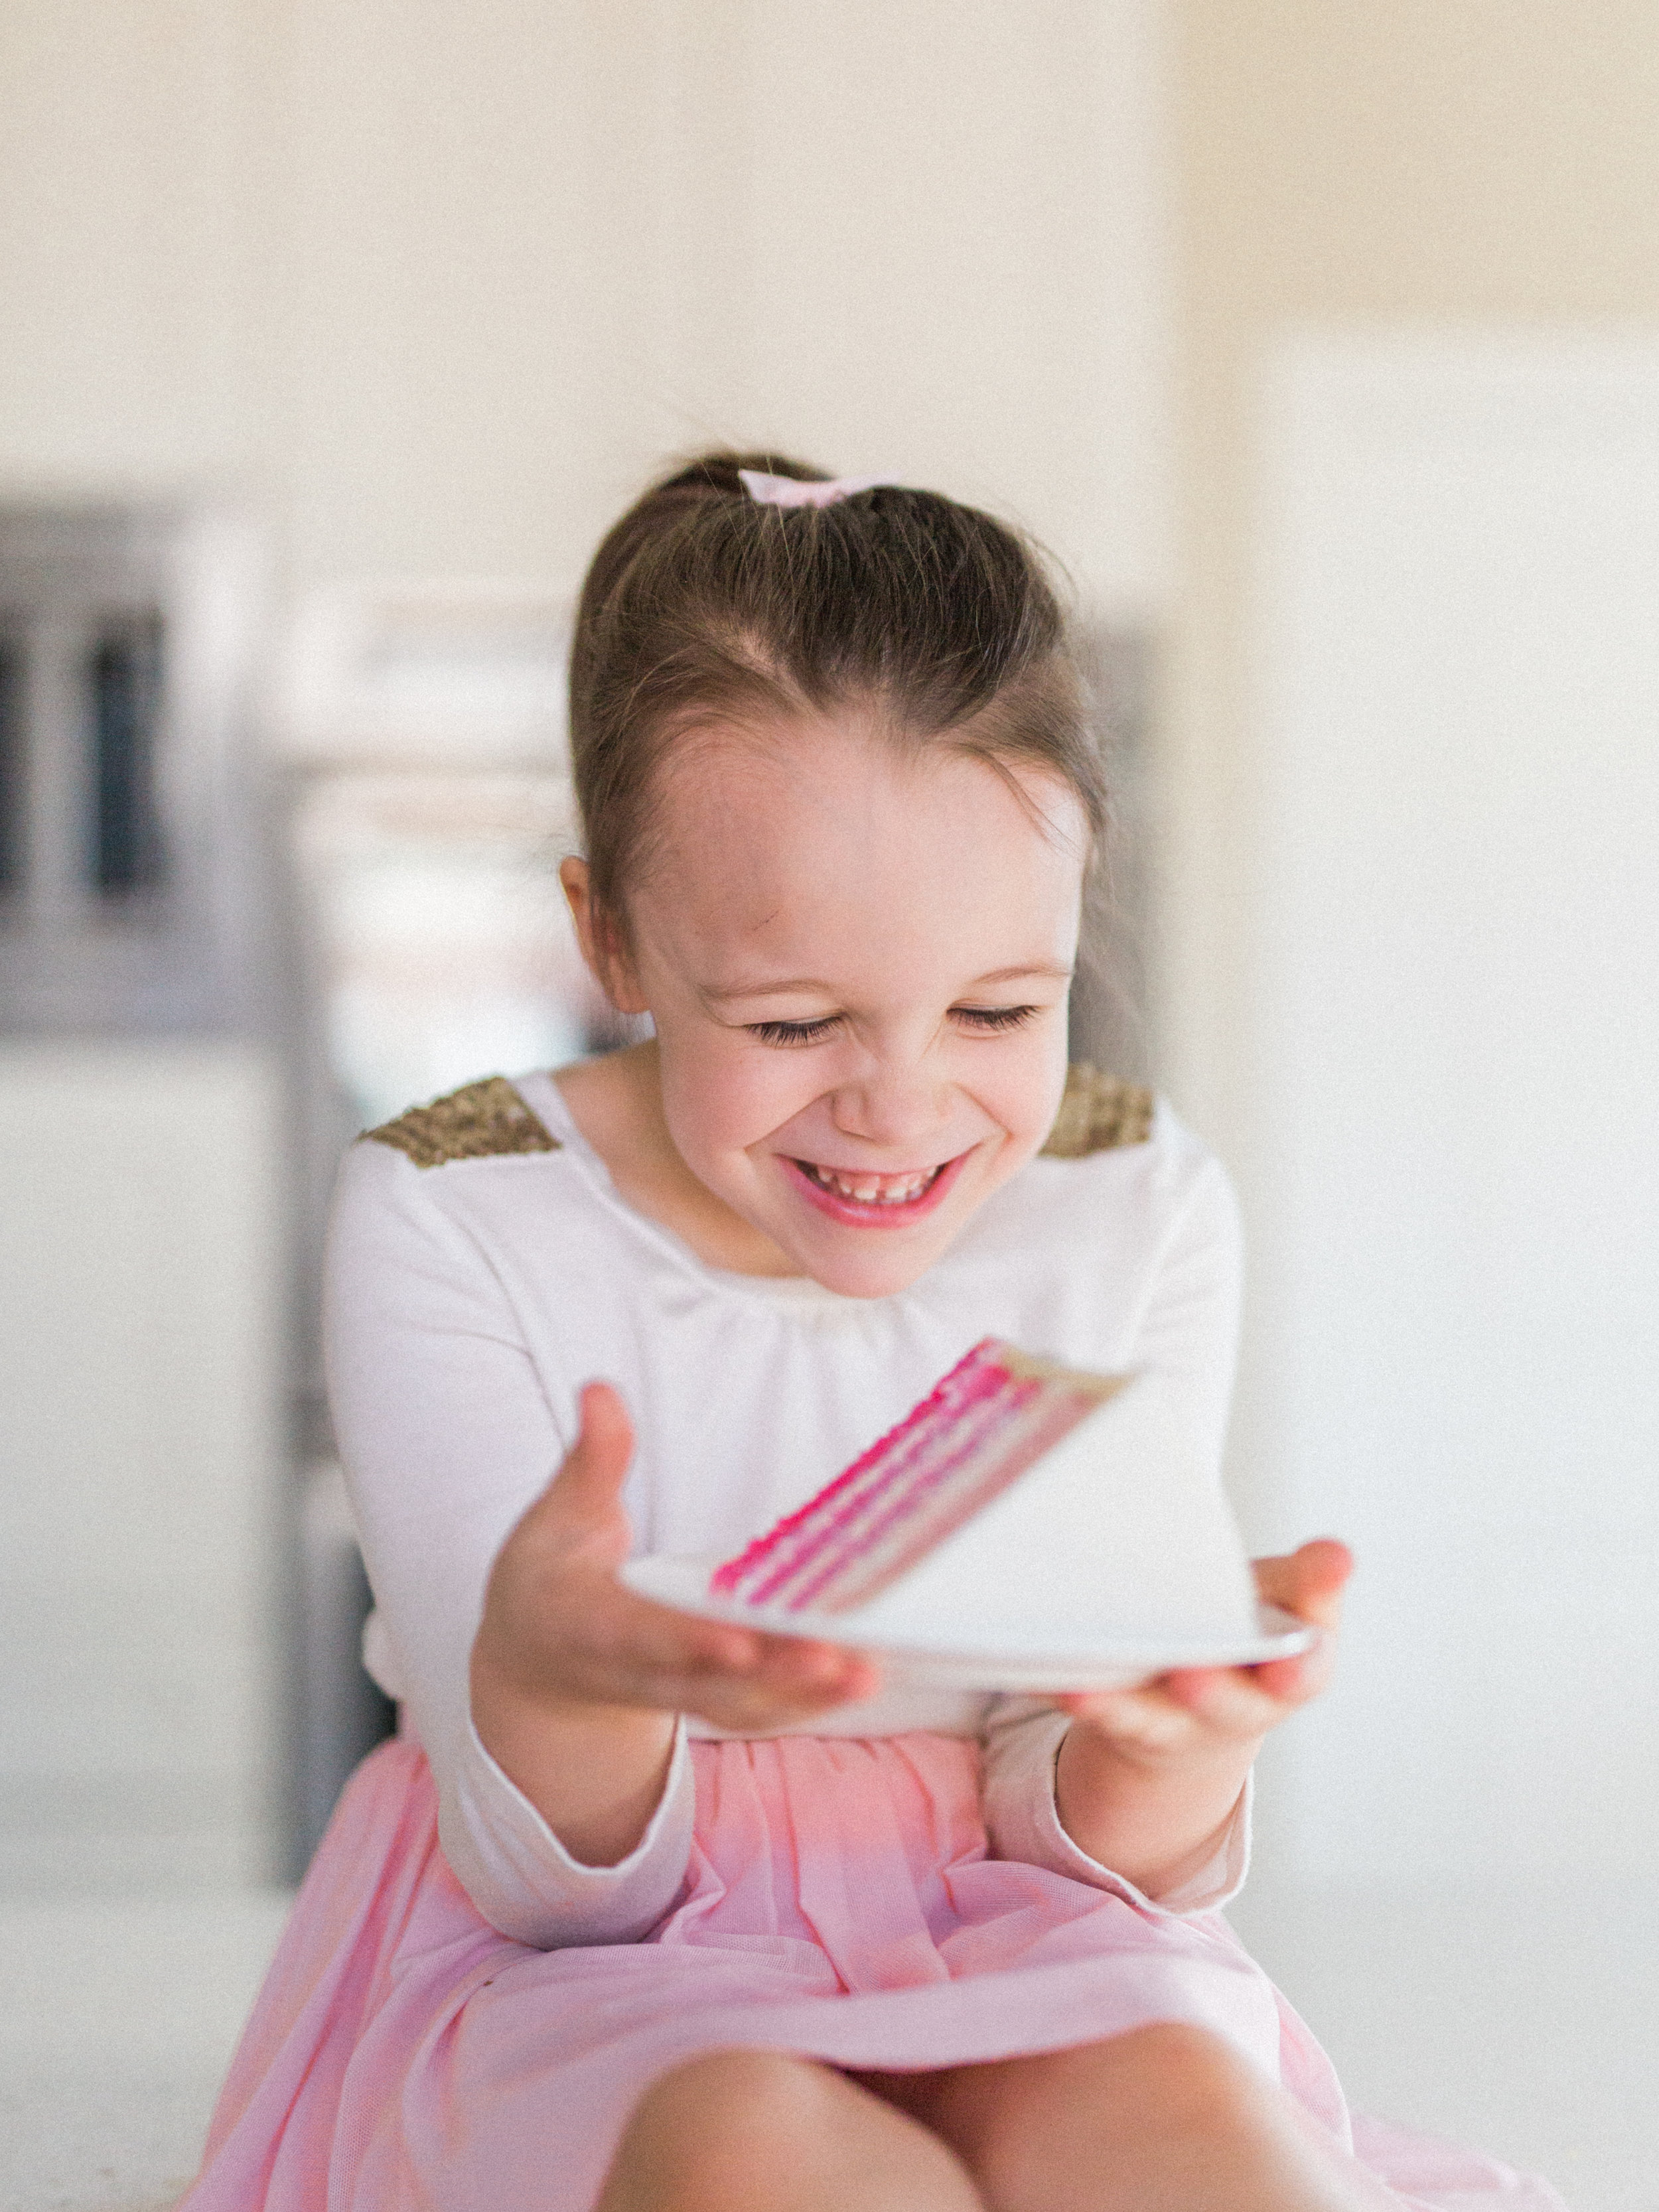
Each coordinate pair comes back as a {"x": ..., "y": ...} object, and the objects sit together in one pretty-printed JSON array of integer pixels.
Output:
[{"x": 996, "y": 1413}]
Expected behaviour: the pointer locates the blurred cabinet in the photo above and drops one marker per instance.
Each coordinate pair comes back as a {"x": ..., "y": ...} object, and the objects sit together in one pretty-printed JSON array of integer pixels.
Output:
[
  {"x": 143, "y": 1277},
  {"x": 141, "y": 1308}
]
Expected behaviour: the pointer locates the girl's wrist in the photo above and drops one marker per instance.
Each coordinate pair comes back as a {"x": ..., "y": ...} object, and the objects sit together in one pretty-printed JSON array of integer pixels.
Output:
[
  {"x": 1144, "y": 1756},
  {"x": 501, "y": 1683},
  {"x": 1150, "y": 1819},
  {"x": 594, "y": 1772},
  {"x": 517, "y": 1695}
]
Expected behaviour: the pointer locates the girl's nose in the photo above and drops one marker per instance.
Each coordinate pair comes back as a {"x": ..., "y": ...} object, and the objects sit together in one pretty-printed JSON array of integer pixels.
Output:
[{"x": 891, "y": 1107}]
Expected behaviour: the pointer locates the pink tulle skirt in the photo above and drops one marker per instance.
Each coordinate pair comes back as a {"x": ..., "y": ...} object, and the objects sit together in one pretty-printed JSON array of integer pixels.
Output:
[{"x": 839, "y": 1904}]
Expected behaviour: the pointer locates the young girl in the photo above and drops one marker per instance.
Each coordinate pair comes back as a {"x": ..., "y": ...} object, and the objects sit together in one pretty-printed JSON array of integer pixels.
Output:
[{"x": 646, "y": 1914}]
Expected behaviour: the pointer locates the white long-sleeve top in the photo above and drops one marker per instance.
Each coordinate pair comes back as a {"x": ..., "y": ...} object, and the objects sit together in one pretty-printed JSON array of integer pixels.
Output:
[{"x": 469, "y": 1300}]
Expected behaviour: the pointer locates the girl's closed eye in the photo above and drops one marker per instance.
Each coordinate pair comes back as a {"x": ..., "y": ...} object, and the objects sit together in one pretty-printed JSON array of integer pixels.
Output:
[
  {"x": 990, "y": 1020},
  {"x": 812, "y": 1032},
  {"x": 987, "y": 1020}
]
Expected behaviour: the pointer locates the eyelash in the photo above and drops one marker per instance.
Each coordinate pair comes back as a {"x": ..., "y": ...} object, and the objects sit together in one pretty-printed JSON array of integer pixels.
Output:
[
  {"x": 989, "y": 1020},
  {"x": 992, "y": 1019},
  {"x": 792, "y": 1032}
]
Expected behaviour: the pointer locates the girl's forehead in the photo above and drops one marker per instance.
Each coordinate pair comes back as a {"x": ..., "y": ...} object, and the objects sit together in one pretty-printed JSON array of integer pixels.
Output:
[
  {"x": 789, "y": 793},
  {"x": 829, "y": 830}
]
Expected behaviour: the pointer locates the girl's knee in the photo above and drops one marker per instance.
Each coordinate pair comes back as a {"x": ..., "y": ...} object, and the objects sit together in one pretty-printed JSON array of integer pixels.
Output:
[
  {"x": 1122, "y": 2106},
  {"x": 708, "y": 2133},
  {"x": 765, "y": 2128},
  {"x": 720, "y": 2100},
  {"x": 1186, "y": 2074}
]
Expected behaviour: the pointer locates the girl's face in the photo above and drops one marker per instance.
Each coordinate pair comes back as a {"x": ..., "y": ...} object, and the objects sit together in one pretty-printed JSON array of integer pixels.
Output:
[{"x": 857, "y": 963}]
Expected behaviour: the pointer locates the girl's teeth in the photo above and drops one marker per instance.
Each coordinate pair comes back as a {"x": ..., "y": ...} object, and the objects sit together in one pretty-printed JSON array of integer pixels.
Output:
[{"x": 874, "y": 1190}]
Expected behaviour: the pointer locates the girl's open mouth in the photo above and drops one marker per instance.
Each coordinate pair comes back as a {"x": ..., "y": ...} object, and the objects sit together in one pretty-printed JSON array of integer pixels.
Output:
[{"x": 865, "y": 1201}]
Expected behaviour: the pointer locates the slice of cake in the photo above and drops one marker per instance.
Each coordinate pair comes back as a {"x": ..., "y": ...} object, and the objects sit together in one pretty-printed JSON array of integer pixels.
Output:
[
  {"x": 1023, "y": 1501},
  {"x": 997, "y": 1410}
]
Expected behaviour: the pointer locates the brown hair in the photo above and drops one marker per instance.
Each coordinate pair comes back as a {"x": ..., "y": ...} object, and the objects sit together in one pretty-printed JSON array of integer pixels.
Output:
[{"x": 704, "y": 605}]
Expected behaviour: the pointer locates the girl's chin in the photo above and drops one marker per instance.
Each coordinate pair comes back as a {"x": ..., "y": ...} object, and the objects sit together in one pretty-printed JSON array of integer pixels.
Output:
[{"x": 872, "y": 1270}]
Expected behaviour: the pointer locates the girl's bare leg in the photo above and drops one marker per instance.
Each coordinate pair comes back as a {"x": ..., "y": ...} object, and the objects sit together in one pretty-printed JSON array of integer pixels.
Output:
[
  {"x": 760, "y": 2131},
  {"x": 1167, "y": 2118}
]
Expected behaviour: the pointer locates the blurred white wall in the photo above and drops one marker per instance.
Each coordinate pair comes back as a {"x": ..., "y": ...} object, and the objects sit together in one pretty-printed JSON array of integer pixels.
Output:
[
  {"x": 1455, "y": 915},
  {"x": 439, "y": 289},
  {"x": 1407, "y": 796},
  {"x": 1492, "y": 162}
]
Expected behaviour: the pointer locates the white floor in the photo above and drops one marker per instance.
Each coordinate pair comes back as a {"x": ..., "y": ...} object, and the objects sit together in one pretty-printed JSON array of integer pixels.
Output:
[
  {"x": 1528, "y": 2026},
  {"x": 117, "y": 2019}
]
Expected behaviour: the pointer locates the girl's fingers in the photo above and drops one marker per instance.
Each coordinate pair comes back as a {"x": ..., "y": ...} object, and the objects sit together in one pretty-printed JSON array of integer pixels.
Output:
[
  {"x": 1308, "y": 1583},
  {"x": 657, "y": 1636},
  {"x": 556, "y": 1615},
  {"x": 623, "y": 1624},
  {"x": 647, "y": 1653},
  {"x": 1142, "y": 1716},
  {"x": 1160, "y": 1717},
  {"x": 589, "y": 1483},
  {"x": 1227, "y": 1701},
  {"x": 1293, "y": 1681},
  {"x": 791, "y": 1675},
  {"x": 747, "y": 1702},
  {"x": 751, "y": 1704}
]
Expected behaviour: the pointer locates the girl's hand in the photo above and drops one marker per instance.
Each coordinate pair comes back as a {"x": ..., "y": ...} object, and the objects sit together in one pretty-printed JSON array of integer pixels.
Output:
[
  {"x": 1147, "y": 1779},
  {"x": 561, "y": 1631},
  {"x": 1203, "y": 1708}
]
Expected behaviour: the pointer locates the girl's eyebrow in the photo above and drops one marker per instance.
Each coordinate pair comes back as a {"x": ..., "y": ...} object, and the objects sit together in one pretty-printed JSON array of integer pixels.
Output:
[
  {"x": 1052, "y": 969},
  {"x": 802, "y": 984}
]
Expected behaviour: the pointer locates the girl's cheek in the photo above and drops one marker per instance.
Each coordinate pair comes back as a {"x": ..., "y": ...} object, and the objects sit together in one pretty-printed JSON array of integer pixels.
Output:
[
  {"x": 762, "y": 1099},
  {"x": 1023, "y": 1096},
  {"x": 725, "y": 1094}
]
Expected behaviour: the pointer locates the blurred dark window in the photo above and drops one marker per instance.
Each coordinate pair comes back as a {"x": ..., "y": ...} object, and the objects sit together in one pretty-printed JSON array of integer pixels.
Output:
[
  {"x": 12, "y": 793},
  {"x": 129, "y": 855}
]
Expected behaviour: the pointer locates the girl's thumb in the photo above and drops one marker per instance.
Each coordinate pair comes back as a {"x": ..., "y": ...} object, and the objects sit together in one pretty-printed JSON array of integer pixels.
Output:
[{"x": 596, "y": 1463}]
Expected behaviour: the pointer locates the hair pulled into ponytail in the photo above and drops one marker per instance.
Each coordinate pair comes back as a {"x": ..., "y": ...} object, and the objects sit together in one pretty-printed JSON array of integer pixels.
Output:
[{"x": 705, "y": 606}]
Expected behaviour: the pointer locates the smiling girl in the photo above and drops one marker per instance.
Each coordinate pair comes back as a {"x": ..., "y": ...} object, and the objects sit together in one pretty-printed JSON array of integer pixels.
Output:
[{"x": 651, "y": 1914}]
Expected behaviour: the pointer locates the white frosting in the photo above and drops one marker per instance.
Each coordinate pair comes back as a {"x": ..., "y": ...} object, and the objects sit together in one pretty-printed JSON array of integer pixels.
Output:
[{"x": 1118, "y": 1535}]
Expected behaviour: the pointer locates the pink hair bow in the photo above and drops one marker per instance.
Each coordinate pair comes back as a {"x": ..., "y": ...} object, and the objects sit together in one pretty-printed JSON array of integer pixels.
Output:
[{"x": 790, "y": 491}]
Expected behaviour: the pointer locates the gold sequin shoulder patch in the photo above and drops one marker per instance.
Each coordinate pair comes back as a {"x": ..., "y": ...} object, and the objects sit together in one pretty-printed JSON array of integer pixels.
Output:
[
  {"x": 475, "y": 1123},
  {"x": 1097, "y": 1114}
]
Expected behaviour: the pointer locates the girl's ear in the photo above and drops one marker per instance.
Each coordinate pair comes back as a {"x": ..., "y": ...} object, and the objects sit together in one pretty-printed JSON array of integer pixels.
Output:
[{"x": 608, "y": 958}]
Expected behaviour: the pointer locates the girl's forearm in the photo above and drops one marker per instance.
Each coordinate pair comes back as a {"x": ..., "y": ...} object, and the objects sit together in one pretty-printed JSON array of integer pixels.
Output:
[
  {"x": 595, "y": 1773},
  {"x": 1154, "y": 1825}
]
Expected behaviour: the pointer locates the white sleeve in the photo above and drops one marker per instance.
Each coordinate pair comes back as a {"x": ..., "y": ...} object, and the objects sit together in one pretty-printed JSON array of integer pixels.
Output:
[
  {"x": 446, "y": 1435},
  {"x": 1189, "y": 1331}
]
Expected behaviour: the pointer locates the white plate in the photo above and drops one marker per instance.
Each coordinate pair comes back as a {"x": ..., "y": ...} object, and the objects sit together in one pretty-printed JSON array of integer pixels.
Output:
[{"x": 683, "y": 1583}]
